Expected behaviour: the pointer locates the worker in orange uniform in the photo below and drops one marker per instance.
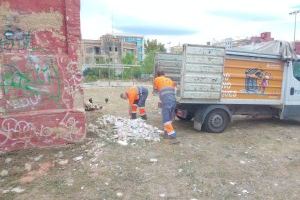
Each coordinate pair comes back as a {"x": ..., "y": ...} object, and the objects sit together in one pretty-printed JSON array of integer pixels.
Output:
[
  {"x": 166, "y": 89},
  {"x": 136, "y": 97}
]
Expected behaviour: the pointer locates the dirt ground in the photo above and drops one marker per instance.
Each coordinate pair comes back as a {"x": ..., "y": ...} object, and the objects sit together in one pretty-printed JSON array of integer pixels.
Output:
[{"x": 252, "y": 159}]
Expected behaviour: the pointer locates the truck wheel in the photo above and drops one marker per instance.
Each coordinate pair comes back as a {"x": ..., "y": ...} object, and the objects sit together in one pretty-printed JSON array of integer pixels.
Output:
[{"x": 216, "y": 121}]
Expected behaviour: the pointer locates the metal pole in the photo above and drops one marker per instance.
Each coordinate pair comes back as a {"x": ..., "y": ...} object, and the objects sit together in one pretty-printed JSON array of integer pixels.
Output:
[{"x": 295, "y": 25}]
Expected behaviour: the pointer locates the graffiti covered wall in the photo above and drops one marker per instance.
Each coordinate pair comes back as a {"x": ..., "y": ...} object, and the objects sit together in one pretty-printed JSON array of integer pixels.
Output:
[{"x": 41, "y": 101}]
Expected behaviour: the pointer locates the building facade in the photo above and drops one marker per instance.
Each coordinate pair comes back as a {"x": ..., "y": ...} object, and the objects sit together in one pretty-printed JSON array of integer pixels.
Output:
[
  {"x": 176, "y": 49},
  {"x": 138, "y": 41},
  {"x": 108, "y": 49}
]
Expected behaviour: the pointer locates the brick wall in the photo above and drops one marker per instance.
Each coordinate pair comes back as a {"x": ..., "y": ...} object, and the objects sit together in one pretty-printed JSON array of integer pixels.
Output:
[{"x": 41, "y": 101}]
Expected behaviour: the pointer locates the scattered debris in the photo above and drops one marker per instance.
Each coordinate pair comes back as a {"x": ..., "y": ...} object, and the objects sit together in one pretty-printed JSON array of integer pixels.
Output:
[
  {"x": 242, "y": 162},
  {"x": 69, "y": 182},
  {"x": 117, "y": 129},
  {"x": 28, "y": 166},
  {"x": 119, "y": 194},
  {"x": 162, "y": 195},
  {"x": 124, "y": 143},
  {"x": 32, "y": 175},
  {"x": 78, "y": 158},
  {"x": 17, "y": 190},
  {"x": 8, "y": 160},
  {"x": 4, "y": 172},
  {"x": 245, "y": 192},
  {"x": 63, "y": 162},
  {"x": 59, "y": 154},
  {"x": 5, "y": 191},
  {"x": 232, "y": 183},
  {"x": 38, "y": 158},
  {"x": 153, "y": 160},
  {"x": 180, "y": 170}
]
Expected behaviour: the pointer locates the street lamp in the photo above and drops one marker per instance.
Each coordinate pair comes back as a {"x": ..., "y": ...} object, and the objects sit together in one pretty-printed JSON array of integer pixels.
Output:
[{"x": 295, "y": 13}]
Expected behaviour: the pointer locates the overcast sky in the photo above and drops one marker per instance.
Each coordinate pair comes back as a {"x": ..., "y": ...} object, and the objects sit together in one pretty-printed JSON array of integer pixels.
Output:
[{"x": 189, "y": 21}]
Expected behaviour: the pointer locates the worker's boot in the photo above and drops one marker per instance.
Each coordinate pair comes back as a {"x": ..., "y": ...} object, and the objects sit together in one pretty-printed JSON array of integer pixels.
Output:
[
  {"x": 144, "y": 117},
  {"x": 133, "y": 115},
  {"x": 171, "y": 138}
]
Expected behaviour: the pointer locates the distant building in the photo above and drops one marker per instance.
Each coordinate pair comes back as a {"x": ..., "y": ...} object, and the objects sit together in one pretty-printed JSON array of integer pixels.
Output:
[
  {"x": 91, "y": 52},
  {"x": 229, "y": 43},
  {"x": 138, "y": 41},
  {"x": 297, "y": 47},
  {"x": 264, "y": 37},
  {"x": 176, "y": 49},
  {"x": 108, "y": 49}
]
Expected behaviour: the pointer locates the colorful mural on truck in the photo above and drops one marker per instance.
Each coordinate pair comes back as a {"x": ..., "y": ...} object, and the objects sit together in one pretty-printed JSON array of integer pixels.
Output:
[
  {"x": 250, "y": 79},
  {"x": 41, "y": 100}
]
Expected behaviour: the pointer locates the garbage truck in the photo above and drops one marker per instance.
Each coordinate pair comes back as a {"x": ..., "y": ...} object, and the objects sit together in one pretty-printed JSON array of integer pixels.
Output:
[{"x": 214, "y": 83}]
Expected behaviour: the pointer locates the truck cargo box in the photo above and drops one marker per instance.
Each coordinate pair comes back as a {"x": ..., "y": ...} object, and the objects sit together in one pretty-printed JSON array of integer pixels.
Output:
[{"x": 211, "y": 75}]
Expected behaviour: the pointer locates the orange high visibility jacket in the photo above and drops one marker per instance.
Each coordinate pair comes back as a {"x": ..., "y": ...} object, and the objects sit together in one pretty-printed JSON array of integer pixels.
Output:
[
  {"x": 132, "y": 94},
  {"x": 162, "y": 82}
]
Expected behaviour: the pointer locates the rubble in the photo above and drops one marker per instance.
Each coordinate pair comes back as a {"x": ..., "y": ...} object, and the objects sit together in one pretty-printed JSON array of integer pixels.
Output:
[
  {"x": 153, "y": 160},
  {"x": 38, "y": 158},
  {"x": 63, "y": 162},
  {"x": 17, "y": 190},
  {"x": 4, "y": 173},
  {"x": 28, "y": 166},
  {"x": 78, "y": 158},
  {"x": 123, "y": 130},
  {"x": 8, "y": 160}
]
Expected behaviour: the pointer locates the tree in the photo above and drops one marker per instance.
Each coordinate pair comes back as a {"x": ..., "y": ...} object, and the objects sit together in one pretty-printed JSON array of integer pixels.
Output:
[
  {"x": 151, "y": 48},
  {"x": 153, "y": 45},
  {"x": 129, "y": 59}
]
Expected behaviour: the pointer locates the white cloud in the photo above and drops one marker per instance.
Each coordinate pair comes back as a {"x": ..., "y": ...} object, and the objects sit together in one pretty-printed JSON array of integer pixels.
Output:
[{"x": 206, "y": 18}]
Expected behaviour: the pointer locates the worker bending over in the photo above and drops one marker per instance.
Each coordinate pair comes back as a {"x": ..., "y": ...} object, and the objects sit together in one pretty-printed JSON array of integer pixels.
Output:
[
  {"x": 136, "y": 97},
  {"x": 166, "y": 89}
]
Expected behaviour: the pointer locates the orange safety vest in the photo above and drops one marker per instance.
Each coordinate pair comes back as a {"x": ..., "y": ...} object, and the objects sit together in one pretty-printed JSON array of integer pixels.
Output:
[
  {"x": 163, "y": 82},
  {"x": 132, "y": 94}
]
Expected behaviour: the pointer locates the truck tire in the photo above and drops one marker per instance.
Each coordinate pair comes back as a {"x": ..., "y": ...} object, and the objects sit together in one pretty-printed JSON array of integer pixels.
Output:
[{"x": 216, "y": 121}]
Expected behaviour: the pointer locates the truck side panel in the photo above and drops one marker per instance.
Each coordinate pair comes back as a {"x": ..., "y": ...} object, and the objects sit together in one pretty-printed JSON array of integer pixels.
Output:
[
  {"x": 252, "y": 79},
  {"x": 202, "y": 72},
  {"x": 170, "y": 63}
]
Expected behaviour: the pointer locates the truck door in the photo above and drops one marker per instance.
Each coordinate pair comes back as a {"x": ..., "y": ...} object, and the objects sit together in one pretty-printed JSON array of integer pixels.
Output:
[{"x": 291, "y": 109}]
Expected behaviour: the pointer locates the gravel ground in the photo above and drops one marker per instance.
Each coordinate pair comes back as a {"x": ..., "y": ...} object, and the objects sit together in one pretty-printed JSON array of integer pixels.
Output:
[{"x": 252, "y": 159}]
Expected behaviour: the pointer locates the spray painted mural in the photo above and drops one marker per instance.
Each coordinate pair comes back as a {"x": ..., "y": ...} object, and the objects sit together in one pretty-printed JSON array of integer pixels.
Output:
[
  {"x": 251, "y": 79},
  {"x": 41, "y": 100}
]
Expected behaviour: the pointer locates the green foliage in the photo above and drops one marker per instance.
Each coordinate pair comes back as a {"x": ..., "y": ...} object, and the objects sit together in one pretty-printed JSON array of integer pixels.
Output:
[
  {"x": 93, "y": 74},
  {"x": 148, "y": 64},
  {"x": 151, "y": 48},
  {"x": 154, "y": 46},
  {"x": 129, "y": 59}
]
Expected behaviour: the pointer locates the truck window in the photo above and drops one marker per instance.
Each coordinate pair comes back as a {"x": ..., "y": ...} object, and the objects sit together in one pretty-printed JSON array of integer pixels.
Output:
[{"x": 296, "y": 69}]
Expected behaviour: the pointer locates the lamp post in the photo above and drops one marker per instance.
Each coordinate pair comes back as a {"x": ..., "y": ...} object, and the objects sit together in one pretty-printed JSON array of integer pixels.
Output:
[{"x": 295, "y": 25}]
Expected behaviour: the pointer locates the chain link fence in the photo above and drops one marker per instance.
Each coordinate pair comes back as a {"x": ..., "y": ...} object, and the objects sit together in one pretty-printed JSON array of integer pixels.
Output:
[{"x": 116, "y": 72}]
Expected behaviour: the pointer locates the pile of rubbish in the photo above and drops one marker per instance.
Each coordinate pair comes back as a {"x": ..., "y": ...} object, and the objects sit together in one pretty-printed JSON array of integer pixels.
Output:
[{"x": 123, "y": 130}]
